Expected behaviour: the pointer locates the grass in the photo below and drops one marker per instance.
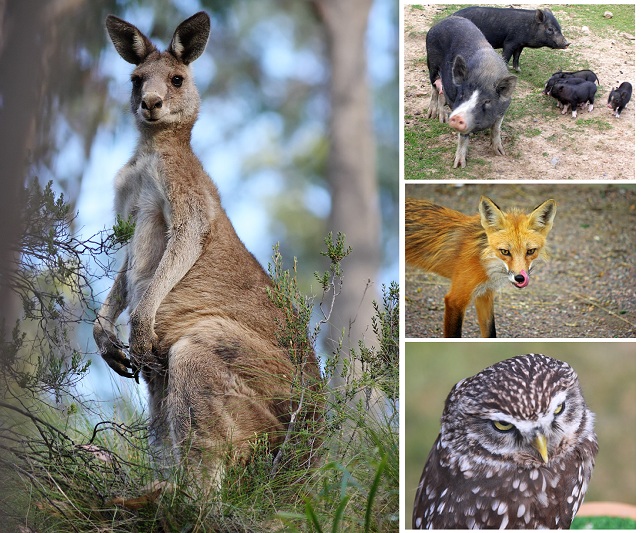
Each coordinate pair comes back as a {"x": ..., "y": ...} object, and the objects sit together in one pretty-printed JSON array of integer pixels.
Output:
[
  {"x": 603, "y": 522},
  {"x": 591, "y": 15},
  {"x": 430, "y": 146},
  {"x": 87, "y": 470}
]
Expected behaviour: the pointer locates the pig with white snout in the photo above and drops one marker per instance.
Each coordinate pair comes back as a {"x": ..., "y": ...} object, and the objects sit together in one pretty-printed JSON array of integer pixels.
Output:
[{"x": 468, "y": 75}]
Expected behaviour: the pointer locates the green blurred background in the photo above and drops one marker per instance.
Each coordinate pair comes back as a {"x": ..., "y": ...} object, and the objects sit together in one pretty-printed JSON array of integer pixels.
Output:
[{"x": 607, "y": 375}]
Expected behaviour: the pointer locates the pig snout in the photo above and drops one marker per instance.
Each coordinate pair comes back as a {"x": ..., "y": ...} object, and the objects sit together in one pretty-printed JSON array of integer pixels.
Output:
[{"x": 458, "y": 122}]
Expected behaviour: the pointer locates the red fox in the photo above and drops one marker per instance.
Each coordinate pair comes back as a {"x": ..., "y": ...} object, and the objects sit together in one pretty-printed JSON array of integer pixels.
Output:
[{"x": 478, "y": 253}]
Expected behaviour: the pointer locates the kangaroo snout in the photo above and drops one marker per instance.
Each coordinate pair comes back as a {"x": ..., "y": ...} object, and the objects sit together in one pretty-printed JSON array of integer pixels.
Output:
[
  {"x": 151, "y": 101},
  {"x": 151, "y": 106}
]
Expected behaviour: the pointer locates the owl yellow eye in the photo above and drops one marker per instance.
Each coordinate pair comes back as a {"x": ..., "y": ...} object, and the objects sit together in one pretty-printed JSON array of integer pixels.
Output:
[
  {"x": 559, "y": 409},
  {"x": 502, "y": 426}
]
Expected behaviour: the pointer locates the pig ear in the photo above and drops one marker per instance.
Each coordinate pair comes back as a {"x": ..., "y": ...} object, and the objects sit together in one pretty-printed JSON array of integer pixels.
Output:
[
  {"x": 190, "y": 38},
  {"x": 542, "y": 217},
  {"x": 539, "y": 16},
  {"x": 492, "y": 218},
  {"x": 505, "y": 86},
  {"x": 132, "y": 45},
  {"x": 459, "y": 70}
]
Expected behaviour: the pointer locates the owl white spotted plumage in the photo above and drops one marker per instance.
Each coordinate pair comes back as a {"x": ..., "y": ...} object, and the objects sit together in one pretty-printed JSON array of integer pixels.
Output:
[{"x": 516, "y": 450}]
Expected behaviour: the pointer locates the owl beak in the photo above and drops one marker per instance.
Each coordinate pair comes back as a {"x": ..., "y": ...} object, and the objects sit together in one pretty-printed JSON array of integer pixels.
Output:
[{"x": 540, "y": 443}]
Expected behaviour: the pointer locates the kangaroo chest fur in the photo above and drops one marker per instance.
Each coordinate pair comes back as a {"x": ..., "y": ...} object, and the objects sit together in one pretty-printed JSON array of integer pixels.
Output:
[{"x": 141, "y": 196}]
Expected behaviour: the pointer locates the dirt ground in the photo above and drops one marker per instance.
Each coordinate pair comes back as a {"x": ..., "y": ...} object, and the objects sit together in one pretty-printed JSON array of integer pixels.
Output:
[
  {"x": 561, "y": 150},
  {"x": 587, "y": 289}
]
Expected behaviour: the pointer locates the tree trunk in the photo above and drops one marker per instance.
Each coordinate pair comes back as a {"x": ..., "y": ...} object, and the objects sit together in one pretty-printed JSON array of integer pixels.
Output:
[
  {"x": 21, "y": 47},
  {"x": 352, "y": 174}
]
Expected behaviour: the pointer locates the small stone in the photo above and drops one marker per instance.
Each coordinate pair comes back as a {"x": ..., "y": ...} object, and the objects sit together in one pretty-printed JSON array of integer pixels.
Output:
[
  {"x": 607, "y": 15},
  {"x": 585, "y": 29}
]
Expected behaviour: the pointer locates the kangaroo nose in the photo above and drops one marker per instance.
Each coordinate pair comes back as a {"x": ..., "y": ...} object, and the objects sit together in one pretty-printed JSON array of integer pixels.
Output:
[{"x": 151, "y": 101}]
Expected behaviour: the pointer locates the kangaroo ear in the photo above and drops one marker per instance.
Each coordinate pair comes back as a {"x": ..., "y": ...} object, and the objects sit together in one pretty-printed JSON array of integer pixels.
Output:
[
  {"x": 543, "y": 216},
  {"x": 190, "y": 38},
  {"x": 130, "y": 42},
  {"x": 491, "y": 215}
]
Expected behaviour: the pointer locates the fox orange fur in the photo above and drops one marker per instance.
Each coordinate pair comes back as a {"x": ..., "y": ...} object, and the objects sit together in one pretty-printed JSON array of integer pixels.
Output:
[{"x": 479, "y": 253}]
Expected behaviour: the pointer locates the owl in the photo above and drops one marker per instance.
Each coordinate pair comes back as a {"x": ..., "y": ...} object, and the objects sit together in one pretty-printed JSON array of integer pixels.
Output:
[{"x": 516, "y": 450}]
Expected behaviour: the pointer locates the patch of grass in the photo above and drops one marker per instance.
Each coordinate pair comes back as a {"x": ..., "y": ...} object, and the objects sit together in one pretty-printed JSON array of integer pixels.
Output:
[
  {"x": 603, "y": 522},
  {"x": 420, "y": 62},
  {"x": 428, "y": 157},
  {"x": 591, "y": 15},
  {"x": 418, "y": 7},
  {"x": 594, "y": 123}
]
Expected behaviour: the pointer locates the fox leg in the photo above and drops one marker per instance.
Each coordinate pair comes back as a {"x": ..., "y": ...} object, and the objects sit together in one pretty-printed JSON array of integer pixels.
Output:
[
  {"x": 454, "y": 314},
  {"x": 485, "y": 311}
]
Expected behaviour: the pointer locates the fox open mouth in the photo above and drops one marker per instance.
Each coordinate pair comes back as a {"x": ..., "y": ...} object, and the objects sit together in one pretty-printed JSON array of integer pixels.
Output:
[{"x": 521, "y": 280}]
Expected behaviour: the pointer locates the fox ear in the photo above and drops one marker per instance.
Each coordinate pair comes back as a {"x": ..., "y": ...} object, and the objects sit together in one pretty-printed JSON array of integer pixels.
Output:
[
  {"x": 491, "y": 215},
  {"x": 542, "y": 217}
]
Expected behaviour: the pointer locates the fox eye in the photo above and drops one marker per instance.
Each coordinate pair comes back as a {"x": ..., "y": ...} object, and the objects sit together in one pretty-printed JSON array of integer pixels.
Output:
[
  {"x": 502, "y": 426},
  {"x": 177, "y": 81},
  {"x": 531, "y": 251},
  {"x": 504, "y": 251},
  {"x": 136, "y": 81}
]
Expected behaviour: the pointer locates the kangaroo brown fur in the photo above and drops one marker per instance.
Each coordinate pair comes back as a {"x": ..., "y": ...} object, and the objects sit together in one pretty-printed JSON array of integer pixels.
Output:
[{"x": 202, "y": 327}]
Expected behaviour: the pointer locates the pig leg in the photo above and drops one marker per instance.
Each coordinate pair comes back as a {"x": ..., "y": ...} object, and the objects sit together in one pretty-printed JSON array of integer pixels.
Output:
[
  {"x": 432, "y": 107},
  {"x": 565, "y": 109},
  {"x": 512, "y": 51},
  {"x": 436, "y": 107},
  {"x": 495, "y": 140},
  {"x": 573, "y": 110},
  {"x": 516, "y": 61},
  {"x": 461, "y": 150}
]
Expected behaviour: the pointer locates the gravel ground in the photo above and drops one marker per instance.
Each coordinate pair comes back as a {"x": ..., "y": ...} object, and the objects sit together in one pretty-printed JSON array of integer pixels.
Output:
[{"x": 588, "y": 288}]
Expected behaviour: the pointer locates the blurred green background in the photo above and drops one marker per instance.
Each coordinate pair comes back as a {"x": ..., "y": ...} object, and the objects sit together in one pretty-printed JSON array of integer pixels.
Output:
[{"x": 607, "y": 375}]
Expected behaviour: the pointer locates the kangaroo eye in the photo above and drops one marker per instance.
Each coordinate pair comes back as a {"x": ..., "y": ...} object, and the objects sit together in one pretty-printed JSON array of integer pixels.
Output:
[
  {"x": 504, "y": 251},
  {"x": 502, "y": 426},
  {"x": 177, "y": 81},
  {"x": 136, "y": 81},
  {"x": 531, "y": 251},
  {"x": 559, "y": 409}
]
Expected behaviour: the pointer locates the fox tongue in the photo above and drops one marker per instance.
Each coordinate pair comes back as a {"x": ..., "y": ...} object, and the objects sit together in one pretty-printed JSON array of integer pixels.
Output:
[{"x": 526, "y": 280}]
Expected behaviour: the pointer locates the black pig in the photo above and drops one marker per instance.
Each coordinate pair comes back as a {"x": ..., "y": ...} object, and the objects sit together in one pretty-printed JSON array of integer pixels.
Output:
[
  {"x": 619, "y": 98},
  {"x": 515, "y": 29},
  {"x": 466, "y": 73},
  {"x": 585, "y": 74},
  {"x": 574, "y": 95},
  {"x": 568, "y": 81}
]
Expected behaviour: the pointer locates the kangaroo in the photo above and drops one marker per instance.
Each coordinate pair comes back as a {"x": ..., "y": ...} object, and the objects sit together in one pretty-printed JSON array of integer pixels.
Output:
[{"x": 202, "y": 327}]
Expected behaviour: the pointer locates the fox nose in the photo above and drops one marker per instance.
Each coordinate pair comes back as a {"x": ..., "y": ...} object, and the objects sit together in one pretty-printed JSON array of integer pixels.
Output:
[
  {"x": 151, "y": 101},
  {"x": 521, "y": 279}
]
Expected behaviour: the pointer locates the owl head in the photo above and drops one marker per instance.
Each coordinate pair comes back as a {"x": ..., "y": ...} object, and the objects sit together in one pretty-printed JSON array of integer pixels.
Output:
[{"x": 528, "y": 409}]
